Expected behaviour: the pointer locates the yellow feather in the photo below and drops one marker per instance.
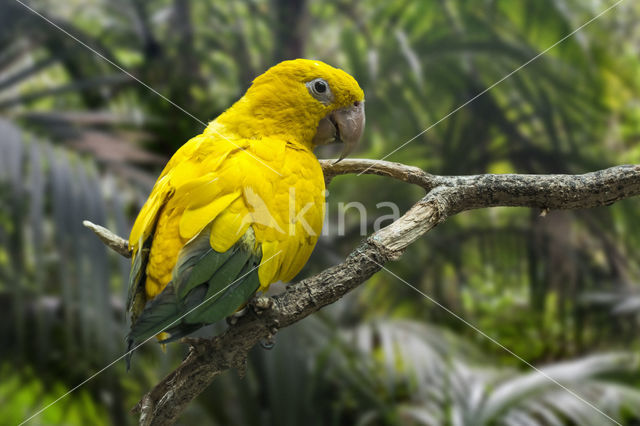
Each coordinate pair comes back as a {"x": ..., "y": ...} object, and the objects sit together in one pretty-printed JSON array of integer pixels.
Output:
[
  {"x": 252, "y": 166},
  {"x": 229, "y": 226},
  {"x": 146, "y": 218},
  {"x": 193, "y": 220},
  {"x": 271, "y": 260}
]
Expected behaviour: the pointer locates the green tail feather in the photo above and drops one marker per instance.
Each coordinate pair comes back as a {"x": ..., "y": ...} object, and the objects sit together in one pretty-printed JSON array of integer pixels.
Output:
[{"x": 207, "y": 286}]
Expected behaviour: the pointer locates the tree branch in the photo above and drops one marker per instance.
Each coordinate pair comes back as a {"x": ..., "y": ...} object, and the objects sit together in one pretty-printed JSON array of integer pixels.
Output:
[
  {"x": 404, "y": 173},
  {"x": 446, "y": 196},
  {"x": 111, "y": 240}
]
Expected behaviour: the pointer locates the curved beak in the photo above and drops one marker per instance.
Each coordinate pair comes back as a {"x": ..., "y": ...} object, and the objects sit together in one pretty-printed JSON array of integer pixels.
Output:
[{"x": 343, "y": 125}]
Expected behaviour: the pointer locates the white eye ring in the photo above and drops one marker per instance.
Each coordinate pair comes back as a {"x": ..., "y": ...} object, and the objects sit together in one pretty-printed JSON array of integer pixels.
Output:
[{"x": 319, "y": 89}]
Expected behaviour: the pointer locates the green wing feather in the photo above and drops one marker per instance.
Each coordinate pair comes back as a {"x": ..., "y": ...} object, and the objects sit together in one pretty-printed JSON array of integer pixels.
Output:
[
  {"x": 136, "y": 296},
  {"x": 206, "y": 287}
]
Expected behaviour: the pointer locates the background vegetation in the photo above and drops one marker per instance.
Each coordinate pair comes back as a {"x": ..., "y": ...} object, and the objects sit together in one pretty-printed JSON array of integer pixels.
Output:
[{"x": 81, "y": 139}]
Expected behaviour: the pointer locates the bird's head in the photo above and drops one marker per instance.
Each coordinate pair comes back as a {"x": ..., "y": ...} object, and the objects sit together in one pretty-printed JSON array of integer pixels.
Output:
[{"x": 305, "y": 101}]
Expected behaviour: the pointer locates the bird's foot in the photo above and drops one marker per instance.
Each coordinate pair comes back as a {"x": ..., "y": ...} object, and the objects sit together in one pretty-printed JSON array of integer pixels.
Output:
[
  {"x": 270, "y": 341},
  {"x": 261, "y": 304},
  {"x": 233, "y": 319},
  {"x": 257, "y": 305}
]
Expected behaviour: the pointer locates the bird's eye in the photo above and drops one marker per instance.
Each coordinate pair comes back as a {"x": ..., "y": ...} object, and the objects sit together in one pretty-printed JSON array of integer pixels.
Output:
[{"x": 319, "y": 89}]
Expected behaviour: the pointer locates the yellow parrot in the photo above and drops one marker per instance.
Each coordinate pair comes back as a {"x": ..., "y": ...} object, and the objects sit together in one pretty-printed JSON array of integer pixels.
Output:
[{"x": 241, "y": 205}]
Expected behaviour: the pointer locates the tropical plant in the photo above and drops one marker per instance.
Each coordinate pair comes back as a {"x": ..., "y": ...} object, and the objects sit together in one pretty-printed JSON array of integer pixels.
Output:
[
  {"x": 403, "y": 372},
  {"x": 60, "y": 288},
  {"x": 515, "y": 274}
]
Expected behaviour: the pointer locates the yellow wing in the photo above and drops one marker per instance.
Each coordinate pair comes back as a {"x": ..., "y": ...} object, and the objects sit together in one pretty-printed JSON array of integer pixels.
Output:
[{"x": 229, "y": 186}]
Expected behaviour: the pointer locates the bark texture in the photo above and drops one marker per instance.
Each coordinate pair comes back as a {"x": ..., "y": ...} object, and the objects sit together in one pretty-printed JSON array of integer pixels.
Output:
[{"x": 445, "y": 196}]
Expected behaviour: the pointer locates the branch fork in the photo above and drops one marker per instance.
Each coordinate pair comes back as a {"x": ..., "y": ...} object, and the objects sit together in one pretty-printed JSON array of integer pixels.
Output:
[{"x": 445, "y": 196}]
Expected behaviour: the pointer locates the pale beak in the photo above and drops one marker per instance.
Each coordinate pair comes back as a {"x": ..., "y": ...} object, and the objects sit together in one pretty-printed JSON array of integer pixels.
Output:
[{"x": 343, "y": 125}]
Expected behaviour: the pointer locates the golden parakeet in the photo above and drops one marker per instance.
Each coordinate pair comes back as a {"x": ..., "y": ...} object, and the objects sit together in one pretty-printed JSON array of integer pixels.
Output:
[{"x": 241, "y": 205}]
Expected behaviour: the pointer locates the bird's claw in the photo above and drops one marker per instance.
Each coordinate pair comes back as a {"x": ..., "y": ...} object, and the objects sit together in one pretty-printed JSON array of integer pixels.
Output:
[
  {"x": 233, "y": 319},
  {"x": 261, "y": 304},
  {"x": 258, "y": 306},
  {"x": 270, "y": 341}
]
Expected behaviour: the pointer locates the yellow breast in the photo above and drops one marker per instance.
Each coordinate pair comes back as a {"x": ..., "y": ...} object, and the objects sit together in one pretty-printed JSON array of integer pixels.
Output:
[{"x": 273, "y": 186}]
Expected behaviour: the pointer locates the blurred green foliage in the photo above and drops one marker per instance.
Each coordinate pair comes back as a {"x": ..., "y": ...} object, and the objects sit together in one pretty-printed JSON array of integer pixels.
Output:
[
  {"x": 23, "y": 393},
  {"x": 553, "y": 289}
]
